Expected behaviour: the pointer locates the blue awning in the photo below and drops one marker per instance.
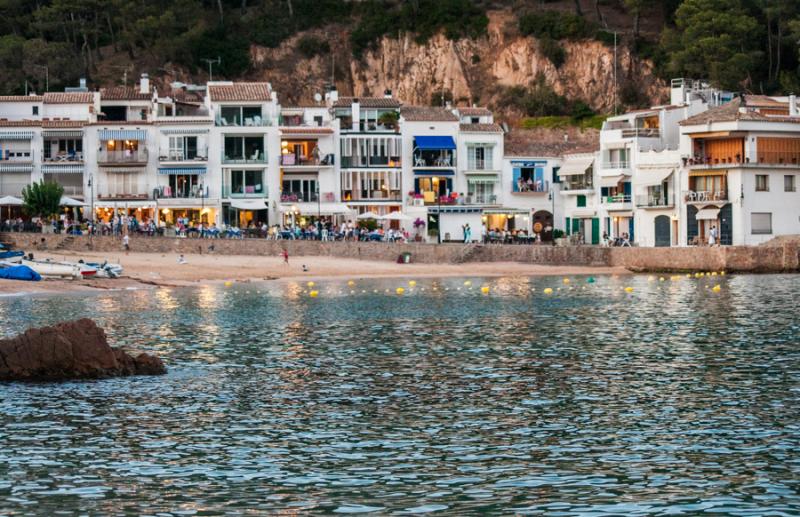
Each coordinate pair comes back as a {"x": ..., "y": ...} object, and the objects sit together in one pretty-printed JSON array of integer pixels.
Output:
[
  {"x": 434, "y": 142},
  {"x": 122, "y": 134},
  {"x": 16, "y": 135},
  {"x": 434, "y": 172},
  {"x": 181, "y": 170}
]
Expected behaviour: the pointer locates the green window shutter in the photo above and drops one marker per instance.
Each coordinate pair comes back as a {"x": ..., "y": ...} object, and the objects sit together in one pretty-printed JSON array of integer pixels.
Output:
[
  {"x": 568, "y": 227},
  {"x": 581, "y": 201}
]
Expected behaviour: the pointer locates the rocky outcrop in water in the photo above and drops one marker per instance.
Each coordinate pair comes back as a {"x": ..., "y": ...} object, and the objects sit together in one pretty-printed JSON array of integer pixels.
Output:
[{"x": 70, "y": 350}]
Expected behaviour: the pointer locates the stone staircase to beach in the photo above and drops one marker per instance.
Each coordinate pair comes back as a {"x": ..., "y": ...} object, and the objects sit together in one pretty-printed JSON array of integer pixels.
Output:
[
  {"x": 468, "y": 254},
  {"x": 65, "y": 243}
]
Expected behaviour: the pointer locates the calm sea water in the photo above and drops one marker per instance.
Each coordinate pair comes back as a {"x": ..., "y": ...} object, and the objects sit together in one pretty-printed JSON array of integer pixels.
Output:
[{"x": 671, "y": 400}]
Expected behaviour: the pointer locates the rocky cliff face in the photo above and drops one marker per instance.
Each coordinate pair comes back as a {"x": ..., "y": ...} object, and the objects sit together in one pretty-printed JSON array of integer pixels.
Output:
[{"x": 471, "y": 70}]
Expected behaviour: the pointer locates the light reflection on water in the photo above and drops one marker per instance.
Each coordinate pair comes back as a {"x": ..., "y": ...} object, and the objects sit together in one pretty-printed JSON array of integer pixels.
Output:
[{"x": 671, "y": 399}]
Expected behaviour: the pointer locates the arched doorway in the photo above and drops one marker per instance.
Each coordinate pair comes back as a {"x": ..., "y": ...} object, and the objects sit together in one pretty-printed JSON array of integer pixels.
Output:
[
  {"x": 543, "y": 220},
  {"x": 662, "y": 231}
]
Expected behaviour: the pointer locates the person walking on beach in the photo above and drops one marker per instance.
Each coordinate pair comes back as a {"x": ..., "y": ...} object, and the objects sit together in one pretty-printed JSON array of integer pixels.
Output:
[
  {"x": 126, "y": 244},
  {"x": 285, "y": 256},
  {"x": 467, "y": 233}
]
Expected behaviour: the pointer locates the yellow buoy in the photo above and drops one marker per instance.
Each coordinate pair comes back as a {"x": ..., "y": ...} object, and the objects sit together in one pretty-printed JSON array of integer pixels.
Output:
[
  {"x": 651, "y": 279},
  {"x": 485, "y": 289},
  {"x": 722, "y": 273},
  {"x": 400, "y": 290},
  {"x": 713, "y": 273},
  {"x": 412, "y": 283},
  {"x": 467, "y": 283},
  {"x": 310, "y": 284},
  {"x": 566, "y": 280},
  {"x": 548, "y": 290},
  {"x": 716, "y": 288},
  {"x": 313, "y": 294},
  {"x": 629, "y": 289},
  {"x": 688, "y": 275},
  {"x": 351, "y": 283},
  {"x": 661, "y": 279},
  {"x": 228, "y": 283}
]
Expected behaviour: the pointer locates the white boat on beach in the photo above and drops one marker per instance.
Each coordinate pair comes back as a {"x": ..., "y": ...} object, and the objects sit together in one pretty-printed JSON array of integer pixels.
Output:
[
  {"x": 51, "y": 268},
  {"x": 105, "y": 269}
]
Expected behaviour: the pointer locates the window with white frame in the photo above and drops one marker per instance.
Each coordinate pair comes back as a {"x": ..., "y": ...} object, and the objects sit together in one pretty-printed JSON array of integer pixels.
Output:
[
  {"x": 479, "y": 157},
  {"x": 183, "y": 147},
  {"x": 761, "y": 223}
]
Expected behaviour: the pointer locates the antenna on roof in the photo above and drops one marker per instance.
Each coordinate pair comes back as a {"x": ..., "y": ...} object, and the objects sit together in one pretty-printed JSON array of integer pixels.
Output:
[
  {"x": 210, "y": 63},
  {"x": 125, "y": 69}
]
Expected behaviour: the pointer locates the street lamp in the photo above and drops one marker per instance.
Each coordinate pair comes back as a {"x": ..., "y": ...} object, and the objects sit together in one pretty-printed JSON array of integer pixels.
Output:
[
  {"x": 91, "y": 205},
  {"x": 319, "y": 212}
]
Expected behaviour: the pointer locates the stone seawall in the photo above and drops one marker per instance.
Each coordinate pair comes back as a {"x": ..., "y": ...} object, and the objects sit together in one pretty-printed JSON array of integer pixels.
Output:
[{"x": 783, "y": 258}]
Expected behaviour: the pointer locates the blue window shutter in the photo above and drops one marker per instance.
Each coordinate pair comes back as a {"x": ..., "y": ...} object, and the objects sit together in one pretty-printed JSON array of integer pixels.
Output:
[{"x": 627, "y": 188}]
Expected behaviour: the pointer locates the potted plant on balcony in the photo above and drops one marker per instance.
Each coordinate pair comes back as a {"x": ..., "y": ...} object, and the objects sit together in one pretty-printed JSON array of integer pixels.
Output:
[
  {"x": 419, "y": 224},
  {"x": 389, "y": 120}
]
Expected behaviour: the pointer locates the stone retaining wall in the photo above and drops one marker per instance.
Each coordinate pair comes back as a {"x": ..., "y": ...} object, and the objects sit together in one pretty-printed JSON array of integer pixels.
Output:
[{"x": 740, "y": 258}]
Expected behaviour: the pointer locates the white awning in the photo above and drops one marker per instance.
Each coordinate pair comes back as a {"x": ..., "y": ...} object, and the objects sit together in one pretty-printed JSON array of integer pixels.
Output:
[
  {"x": 249, "y": 204},
  {"x": 68, "y": 201},
  {"x": 707, "y": 214},
  {"x": 621, "y": 213},
  {"x": 10, "y": 201},
  {"x": 317, "y": 208},
  {"x": 655, "y": 176},
  {"x": 575, "y": 166},
  {"x": 583, "y": 214},
  {"x": 610, "y": 181}
]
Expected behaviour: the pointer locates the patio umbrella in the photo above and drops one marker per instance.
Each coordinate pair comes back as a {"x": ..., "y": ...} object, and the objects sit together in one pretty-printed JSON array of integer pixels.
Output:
[
  {"x": 395, "y": 216},
  {"x": 10, "y": 201},
  {"x": 68, "y": 201},
  {"x": 367, "y": 215}
]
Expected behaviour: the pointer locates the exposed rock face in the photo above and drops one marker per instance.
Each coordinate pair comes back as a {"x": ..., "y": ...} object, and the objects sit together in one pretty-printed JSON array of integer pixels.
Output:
[
  {"x": 71, "y": 350},
  {"x": 470, "y": 69}
]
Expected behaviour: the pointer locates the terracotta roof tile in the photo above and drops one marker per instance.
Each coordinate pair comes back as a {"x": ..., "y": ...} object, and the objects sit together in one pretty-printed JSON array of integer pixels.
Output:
[
  {"x": 300, "y": 130},
  {"x": 547, "y": 143},
  {"x": 427, "y": 114},
  {"x": 730, "y": 112},
  {"x": 21, "y": 98},
  {"x": 124, "y": 93},
  {"x": 239, "y": 92},
  {"x": 49, "y": 124},
  {"x": 481, "y": 128},
  {"x": 368, "y": 102},
  {"x": 68, "y": 98},
  {"x": 19, "y": 123},
  {"x": 474, "y": 112}
]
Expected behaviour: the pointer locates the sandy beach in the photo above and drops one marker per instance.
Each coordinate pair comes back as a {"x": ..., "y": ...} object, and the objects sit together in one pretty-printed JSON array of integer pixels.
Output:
[{"x": 149, "y": 270}]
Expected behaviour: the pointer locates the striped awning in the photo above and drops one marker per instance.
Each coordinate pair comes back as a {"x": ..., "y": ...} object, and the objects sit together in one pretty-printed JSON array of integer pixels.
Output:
[
  {"x": 122, "y": 170},
  {"x": 16, "y": 135},
  {"x": 181, "y": 170},
  {"x": 16, "y": 167},
  {"x": 63, "y": 133},
  {"x": 483, "y": 178},
  {"x": 184, "y": 131},
  {"x": 62, "y": 169},
  {"x": 122, "y": 134}
]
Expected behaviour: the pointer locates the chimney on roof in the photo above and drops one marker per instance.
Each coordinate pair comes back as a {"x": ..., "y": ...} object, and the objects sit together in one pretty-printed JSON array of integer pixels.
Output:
[
  {"x": 387, "y": 94},
  {"x": 448, "y": 105},
  {"x": 82, "y": 84},
  {"x": 793, "y": 112},
  {"x": 144, "y": 83},
  {"x": 355, "y": 112}
]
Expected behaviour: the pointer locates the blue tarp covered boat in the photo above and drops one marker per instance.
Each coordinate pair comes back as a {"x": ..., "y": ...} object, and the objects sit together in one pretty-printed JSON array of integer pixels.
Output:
[{"x": 19, "y": 273}]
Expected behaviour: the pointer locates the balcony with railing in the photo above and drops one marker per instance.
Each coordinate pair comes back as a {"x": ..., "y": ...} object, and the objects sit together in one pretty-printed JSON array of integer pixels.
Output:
[
  {"x": 439, "y": 159},
  {"x": 289, "y": 196},
  {"x": 242, "y": 116},
  {"x": 256, "y": 157},
  {"x": 655, "y": 200},
  {"x": 617, "y": 202},
  {"x": 530, "y": 187},
  {"x": 73, "y": 157},
  {"x": 479, "y": 199},
  {"x": 291, "y": 160},
  {"x": 617, "y": 164},
  {"x": 244, "y": 191},
  {"x": 183, "y": 191},
  {"x": 366, "y": 161},
  {"x": 198, "y": 155},
  {"x": 375, "y": 196},
  {"x": 123, "y": 157},
  {"x": 579, "y": 186},
  {"x": 705, "y": 196},
  {"x": 641, "y": 132}
]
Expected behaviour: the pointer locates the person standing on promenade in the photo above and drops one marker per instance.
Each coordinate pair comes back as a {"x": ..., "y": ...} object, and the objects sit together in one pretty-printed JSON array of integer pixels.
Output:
[
  {"x": 285, "y": 256},
  {"x": 126, "y": 243}
]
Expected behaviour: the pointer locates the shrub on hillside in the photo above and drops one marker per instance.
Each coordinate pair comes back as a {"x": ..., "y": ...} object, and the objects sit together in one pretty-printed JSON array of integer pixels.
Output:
[
  {"x": 554, "y": 24},
  {"x": 311, "y": 46}
]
